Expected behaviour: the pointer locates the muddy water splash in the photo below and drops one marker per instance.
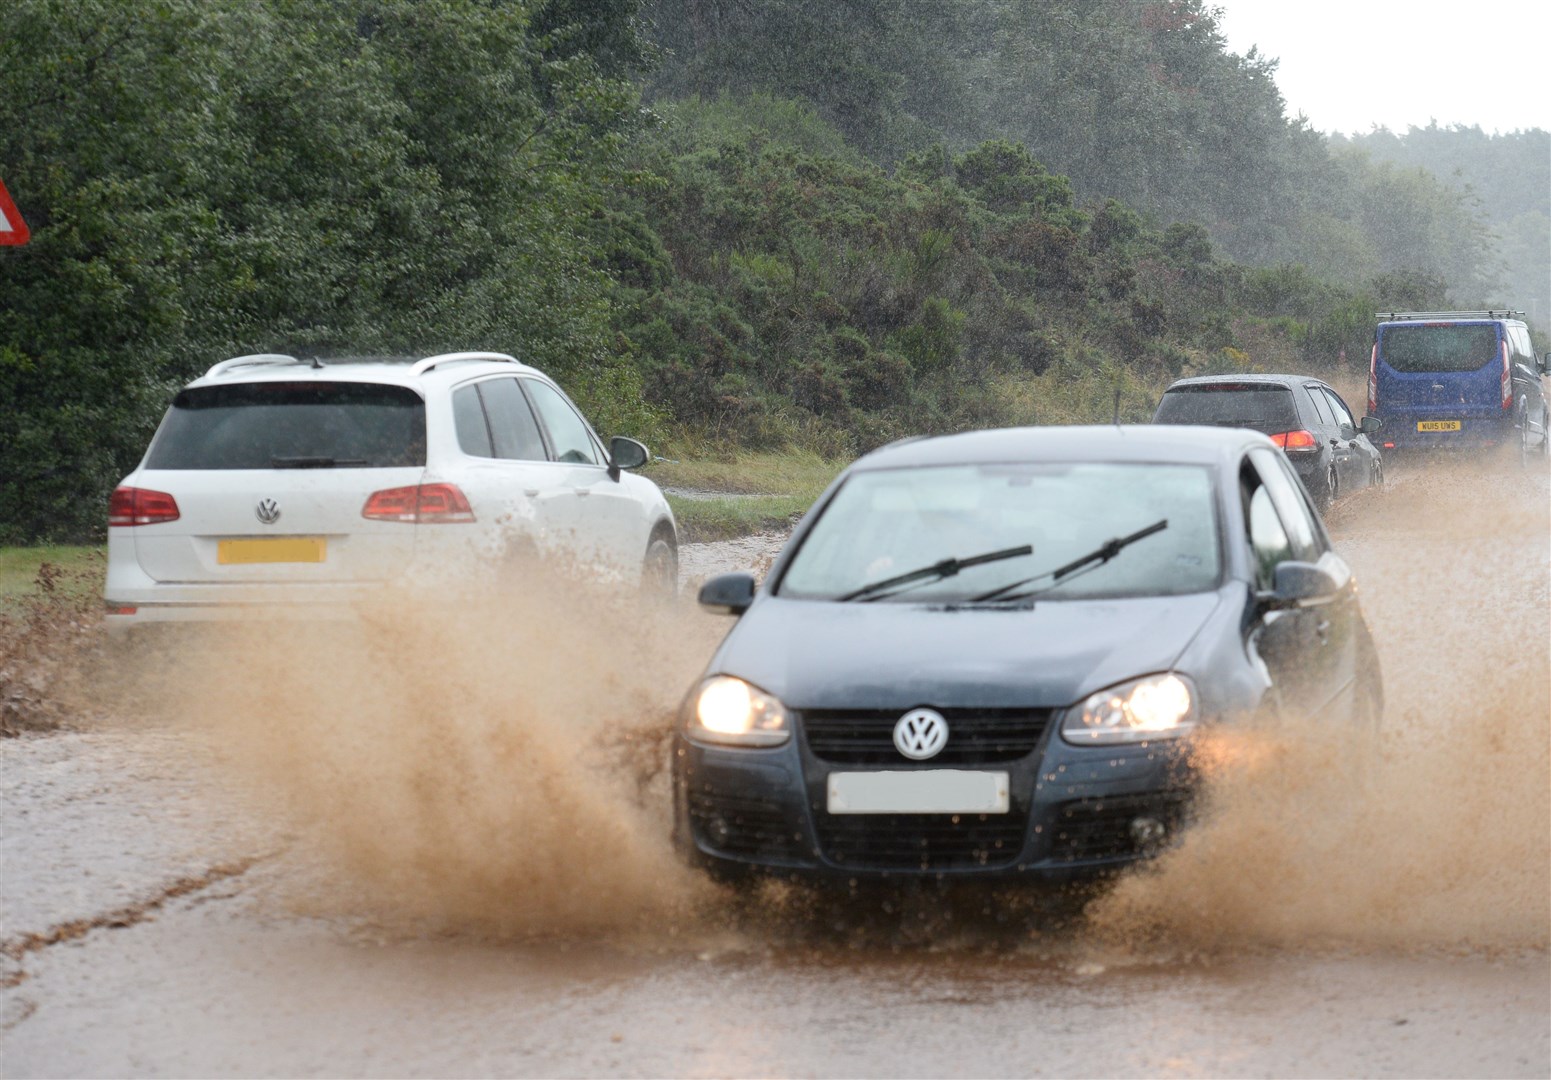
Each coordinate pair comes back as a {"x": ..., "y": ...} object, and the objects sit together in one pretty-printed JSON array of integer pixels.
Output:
[
  {"x": 1436, "y": 834},
  {"x": 490, "y": 765},
  {"x": 499, "y": 766}
]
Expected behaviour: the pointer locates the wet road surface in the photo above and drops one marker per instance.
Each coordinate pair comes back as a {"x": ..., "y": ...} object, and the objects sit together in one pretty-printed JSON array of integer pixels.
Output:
[{"x": 276, "y": 895}]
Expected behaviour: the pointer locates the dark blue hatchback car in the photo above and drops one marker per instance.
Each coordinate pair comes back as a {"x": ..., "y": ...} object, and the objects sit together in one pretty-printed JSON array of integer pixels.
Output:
[{"x": 985, "y": 655}]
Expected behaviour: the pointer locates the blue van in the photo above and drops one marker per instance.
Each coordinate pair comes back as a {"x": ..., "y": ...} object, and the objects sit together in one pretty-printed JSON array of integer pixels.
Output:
[{"x": 1467, "y": 379}]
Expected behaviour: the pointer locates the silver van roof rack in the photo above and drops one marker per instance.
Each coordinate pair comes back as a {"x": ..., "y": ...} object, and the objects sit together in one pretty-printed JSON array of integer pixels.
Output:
[
  {"x": 423, "y": 366},
  {"x": 1400, "y": 316},
  {"x": 254, "y": 360}
]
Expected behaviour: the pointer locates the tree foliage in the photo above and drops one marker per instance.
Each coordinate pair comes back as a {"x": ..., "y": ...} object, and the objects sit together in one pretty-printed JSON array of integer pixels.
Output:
[{"x": 209, "y": 179}]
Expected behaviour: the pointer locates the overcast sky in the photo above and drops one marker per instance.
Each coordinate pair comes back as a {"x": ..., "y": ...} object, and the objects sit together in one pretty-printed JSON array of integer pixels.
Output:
[{"x": 1349, "y": 65}]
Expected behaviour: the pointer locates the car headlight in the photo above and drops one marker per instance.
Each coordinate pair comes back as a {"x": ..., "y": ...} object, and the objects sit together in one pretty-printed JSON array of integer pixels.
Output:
[
  {"x": 1154, "y": 707},
  {"x": 728, "y": 710}
]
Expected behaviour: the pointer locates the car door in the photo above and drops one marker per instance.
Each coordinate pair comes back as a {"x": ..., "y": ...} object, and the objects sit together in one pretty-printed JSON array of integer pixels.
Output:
[
  {"x": 506, "y": 474},
  {"x": 1358, "y": 467},
  {"x": 604, "y": 519},
  {"x": 1336, "y": 448},
  {"x": 1309, "y": 652}
]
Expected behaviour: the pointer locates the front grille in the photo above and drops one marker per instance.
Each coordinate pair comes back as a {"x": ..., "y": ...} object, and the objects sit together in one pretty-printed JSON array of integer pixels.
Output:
[
  {"x": 1101, "y": 828},
  {"x": 975, "y": 736},
  {"x": 744, "y": 825},
  {"x": 921, "y": 841}
]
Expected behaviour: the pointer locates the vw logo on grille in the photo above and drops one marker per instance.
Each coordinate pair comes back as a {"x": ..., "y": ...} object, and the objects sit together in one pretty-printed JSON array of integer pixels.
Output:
[
  {"x": 920, "y": 734},
  {"x": 267, "y": 511}
]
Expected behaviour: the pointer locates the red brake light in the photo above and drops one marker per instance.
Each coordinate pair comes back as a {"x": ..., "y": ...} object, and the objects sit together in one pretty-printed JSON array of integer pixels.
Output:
[
  {"x": 1295, "y": 440},
  {"x": 423, "y": 504},
  {"x": 1507, "y": 378},
  {"x": 1373, "y": 380},
  {"x": 137, "y": 506}
]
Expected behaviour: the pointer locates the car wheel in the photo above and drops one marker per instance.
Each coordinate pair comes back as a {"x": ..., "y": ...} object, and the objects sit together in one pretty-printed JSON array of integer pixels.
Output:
[
  {"x": 1331, "y": 488},
  {"x": 660, "y": 571}
]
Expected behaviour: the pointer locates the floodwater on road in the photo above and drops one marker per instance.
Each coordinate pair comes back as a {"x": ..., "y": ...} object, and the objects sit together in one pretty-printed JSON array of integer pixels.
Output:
[{"x": 438, "y": 846}]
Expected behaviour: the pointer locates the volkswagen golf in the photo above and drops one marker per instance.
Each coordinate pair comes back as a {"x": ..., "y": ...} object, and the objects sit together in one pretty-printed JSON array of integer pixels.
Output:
[{"x": 988, "y": 654}]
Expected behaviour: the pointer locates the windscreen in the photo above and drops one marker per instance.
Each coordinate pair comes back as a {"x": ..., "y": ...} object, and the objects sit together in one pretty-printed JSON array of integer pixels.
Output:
[
  {"x": 267, "y": 425},
  {"x": 1261, "y": 407},
  {"x": 1446, "y": 347},
  {"x": 886, "y": 523}
]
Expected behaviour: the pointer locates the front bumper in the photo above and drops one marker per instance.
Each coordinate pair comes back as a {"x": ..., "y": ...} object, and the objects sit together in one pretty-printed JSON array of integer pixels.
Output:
[{"x": 741, "y": 811}]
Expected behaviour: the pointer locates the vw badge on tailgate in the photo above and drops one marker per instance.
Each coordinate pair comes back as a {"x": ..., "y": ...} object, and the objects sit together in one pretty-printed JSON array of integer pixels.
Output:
[
  {"x": 920, "y": 734},
  {"x": 267, "y": 511}
]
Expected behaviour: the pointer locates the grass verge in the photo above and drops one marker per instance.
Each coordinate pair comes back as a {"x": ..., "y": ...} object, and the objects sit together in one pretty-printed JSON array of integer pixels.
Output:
[
  {"x": 75, "y": 569},
  {"x": 720, "y": 496}
]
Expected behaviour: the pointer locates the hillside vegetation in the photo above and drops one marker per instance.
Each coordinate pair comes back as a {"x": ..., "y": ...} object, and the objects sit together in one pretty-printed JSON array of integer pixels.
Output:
[{"x": 798, "y": 224}]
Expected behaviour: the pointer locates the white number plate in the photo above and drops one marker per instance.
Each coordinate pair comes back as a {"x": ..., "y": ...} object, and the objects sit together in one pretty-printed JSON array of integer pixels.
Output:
[{"x": 925, "y": 791}]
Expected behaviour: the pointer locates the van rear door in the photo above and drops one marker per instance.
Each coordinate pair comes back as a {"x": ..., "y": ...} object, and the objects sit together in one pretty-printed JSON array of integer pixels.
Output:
[{"x": 1439, "y": 380}]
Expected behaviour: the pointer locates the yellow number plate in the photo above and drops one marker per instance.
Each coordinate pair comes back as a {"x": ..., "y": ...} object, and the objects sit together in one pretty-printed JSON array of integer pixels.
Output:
[
  {"x": 272, "y": 550},
  {"x": 1437, "y": 425}
]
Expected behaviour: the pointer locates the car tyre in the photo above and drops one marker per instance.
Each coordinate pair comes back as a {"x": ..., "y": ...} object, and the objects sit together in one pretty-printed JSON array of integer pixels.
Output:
[
  {"x": 660, "y": 571},
  {"x": 1326, "y": 498}
]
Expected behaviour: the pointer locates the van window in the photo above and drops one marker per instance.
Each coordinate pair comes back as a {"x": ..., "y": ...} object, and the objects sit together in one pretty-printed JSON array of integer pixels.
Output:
[{"x": 1450, "y": 347}]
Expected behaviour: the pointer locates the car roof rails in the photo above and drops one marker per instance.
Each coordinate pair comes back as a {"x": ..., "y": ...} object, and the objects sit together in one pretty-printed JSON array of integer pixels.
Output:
[
  {"x": 423, "y": 366},
  {"x": 254, "y": 360},
  {"x": 1402, "y": 316}
]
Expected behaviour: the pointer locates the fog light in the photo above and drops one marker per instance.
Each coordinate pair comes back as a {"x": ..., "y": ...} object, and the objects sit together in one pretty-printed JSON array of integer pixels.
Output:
[
  {"x": 1147, "y": 832},
  {"x": 717, "y": 830}
]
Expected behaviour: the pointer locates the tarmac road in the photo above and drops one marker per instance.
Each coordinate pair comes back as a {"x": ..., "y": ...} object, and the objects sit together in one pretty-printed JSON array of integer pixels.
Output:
[{"x": 251, "y": 883}]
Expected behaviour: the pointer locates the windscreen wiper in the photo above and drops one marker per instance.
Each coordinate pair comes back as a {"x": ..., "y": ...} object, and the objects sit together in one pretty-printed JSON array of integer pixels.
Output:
[
  {"x": 1095, "y": 558},
  {"x": 944, "y": 569},
  {"x": 316, "y": 463}
]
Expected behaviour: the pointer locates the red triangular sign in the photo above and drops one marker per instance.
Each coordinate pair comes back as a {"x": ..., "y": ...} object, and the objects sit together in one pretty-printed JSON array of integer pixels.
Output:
[{"x": 13, "y": 230}]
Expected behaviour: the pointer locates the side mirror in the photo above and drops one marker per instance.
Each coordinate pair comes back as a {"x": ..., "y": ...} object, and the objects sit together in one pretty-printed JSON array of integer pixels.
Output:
[
  {"x": 626, "y": 454},
  {"x": 1371, "y": 425},
  {"x": 1300, "y": 584},
  {"x": 728, "y": 594}
]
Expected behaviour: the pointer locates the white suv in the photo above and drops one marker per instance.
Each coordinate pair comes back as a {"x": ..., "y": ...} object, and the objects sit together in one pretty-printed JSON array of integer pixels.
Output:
[{"x": 282, "y": 486}]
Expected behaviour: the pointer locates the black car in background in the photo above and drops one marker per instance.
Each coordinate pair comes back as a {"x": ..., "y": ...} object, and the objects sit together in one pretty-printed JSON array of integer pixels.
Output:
[
  {"x": 986, "y": 655},
  {"x": 1328, "y": 448}
]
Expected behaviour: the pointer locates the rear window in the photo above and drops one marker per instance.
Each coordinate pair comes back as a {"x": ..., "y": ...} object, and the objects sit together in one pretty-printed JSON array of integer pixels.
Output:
[
  {"x": 1439, "y": 348},
  {"x": 1265, "y": 408},
  {"x": 270, "y": 425}
]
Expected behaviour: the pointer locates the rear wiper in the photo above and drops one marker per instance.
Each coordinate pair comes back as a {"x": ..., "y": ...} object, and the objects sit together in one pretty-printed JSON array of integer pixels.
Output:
[
  {"x": 316, "y": 463},
  {"x": 943, "y": 569},
  {"x": 1097, "y": 557}
]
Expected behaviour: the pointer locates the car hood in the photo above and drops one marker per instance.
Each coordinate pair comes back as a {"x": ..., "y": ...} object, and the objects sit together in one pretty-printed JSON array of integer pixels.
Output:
[{"x": 821, "y": 654}]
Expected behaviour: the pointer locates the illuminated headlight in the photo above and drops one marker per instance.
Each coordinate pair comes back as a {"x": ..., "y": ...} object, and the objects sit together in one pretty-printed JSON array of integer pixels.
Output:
[
  {"x": 1156, "y": 707},
  {"x": 730, "y": 711}
]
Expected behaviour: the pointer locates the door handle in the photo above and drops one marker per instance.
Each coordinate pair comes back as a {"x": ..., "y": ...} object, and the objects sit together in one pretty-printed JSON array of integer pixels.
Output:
[{"x": 1322, "y": 628}]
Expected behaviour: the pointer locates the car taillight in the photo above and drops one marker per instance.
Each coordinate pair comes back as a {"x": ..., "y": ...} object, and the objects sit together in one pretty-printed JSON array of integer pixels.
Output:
[
  {"x": 1295, "y": 440},
  {"x": 420, "y": 504},
  {"x": 1373, "y": 381},
  {"x": 137, "y": 506},
  {"x": 1507, "y": 378}
]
